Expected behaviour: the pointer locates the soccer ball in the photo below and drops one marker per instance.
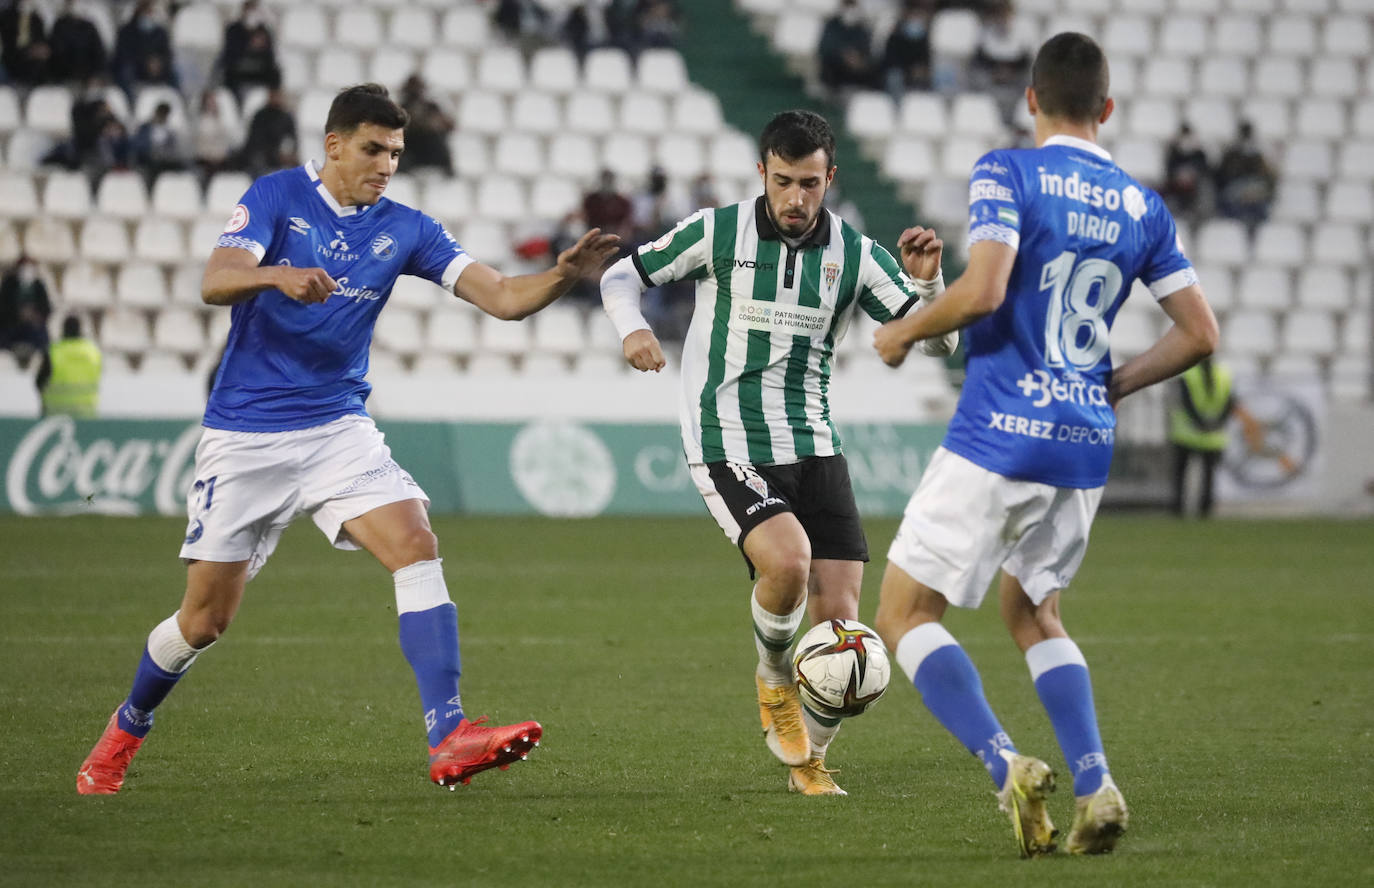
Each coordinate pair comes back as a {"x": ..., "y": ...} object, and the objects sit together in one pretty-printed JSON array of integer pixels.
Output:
[{"x": 842, "y": 668}]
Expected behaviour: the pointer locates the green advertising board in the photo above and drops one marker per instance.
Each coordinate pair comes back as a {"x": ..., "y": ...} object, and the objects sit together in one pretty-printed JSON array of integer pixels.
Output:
[{"x": 552, "y": 467}]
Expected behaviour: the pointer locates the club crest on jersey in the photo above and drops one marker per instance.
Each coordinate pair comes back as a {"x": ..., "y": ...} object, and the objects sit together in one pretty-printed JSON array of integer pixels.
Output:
[
  {"x": 832, "y": 273},
  {"x": 238, "y": 221},
  {"x": 299, "y": 225},
  {"x": 384, "y": 246}
]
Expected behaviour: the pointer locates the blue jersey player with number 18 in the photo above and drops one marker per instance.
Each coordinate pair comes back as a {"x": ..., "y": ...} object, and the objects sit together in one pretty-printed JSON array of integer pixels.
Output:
[
  {"x": 307, "y": 261},
  {"x": 1057, "y": 235}
]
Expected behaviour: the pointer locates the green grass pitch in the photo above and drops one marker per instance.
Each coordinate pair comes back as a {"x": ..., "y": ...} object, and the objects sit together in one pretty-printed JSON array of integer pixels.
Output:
[{"x": 1233, "y": 662}]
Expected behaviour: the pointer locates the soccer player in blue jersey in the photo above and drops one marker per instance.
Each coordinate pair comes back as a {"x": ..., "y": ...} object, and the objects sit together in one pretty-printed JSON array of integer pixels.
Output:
[
  {"x": 307, "y": 261},
  {"x": 1057, "y": 234}
]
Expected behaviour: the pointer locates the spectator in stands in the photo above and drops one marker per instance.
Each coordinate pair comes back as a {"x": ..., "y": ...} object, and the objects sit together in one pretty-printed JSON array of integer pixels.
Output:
[
  {"x": 606, "y": 208},
  {"x": 1001, "y": 60},
  {"x": 622, "y": 24},
  {"x": 704, "y": 193},
  {"x": 906, "y": 56},
  {"x": 24, "y": 310},
  {"x": 576, "y": 30},
  {"x": 215, "y": 131},
  {"x": 24, "y": 49},
  {"x": 271, "y": 143},
  {"x": 1186, "y": 170},
  {"x": 523, "y": 21},
  {"x": 428, "y": 131},
  {"x": 69, "y": 378},
  {"x": 157, "y": 145},
  {"x": 846, "y": 50},
  {"x": 1246, "y": 181},
  {"x": 655, "y": 209},
  {"x": 659, "y": 24},
  {"x": 249, "y": 57},
  {"x": 77, "y": 48},
  {"x": 113, "y": 150},
  {"x": 143, "y": 51}
]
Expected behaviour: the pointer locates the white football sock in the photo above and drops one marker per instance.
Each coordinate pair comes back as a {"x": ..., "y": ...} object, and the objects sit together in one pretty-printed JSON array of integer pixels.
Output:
[
  {"x": 773, "y": 635},
  {"x": 168, "y": 647},
  {"x": 820, "y": 732}
]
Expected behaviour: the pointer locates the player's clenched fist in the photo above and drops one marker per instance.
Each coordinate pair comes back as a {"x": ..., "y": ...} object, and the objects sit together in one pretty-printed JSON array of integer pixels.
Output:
[
  {"x": 891, "y": 344},
  {"x": 308, "y": 285},
  {"x": 643, "y": 351}
]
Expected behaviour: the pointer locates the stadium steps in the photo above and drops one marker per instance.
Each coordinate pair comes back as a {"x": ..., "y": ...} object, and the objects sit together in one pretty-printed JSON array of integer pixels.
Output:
[{"x": 727, "y": 56}]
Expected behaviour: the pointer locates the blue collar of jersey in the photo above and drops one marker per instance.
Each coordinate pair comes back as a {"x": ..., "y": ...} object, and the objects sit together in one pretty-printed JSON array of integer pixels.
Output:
[
  {"x": 1080, "y": 144},
  {"x": 763, "y": 225},
  {"x": 323, "y": 192}
]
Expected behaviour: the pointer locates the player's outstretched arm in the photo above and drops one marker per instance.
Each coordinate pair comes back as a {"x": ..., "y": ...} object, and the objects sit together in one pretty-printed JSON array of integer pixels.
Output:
[
  {"x": 1192, "y": 337},
  {"x": 977, "y": 293},
  {"x": 511, "y": 298},
  {"x": 233, "y": 275}
]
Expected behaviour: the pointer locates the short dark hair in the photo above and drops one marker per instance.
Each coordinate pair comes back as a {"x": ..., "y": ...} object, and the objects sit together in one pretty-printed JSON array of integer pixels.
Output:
[
  {"x": 1070, "y": 77},
  {"x": 793, "y": 135},
  {"x": 71, "y": 327},
  {"x": 364, "y": 103}
]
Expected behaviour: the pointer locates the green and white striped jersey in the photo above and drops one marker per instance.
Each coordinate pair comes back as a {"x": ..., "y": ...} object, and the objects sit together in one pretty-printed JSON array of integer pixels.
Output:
[{"x": 758, "y": 355}]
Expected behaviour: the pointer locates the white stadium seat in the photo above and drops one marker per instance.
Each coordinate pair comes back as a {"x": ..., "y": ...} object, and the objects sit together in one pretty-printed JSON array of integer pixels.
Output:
[
  {"x": 122, "y": 194},
  {"x": 398, "y": 330},
  {"x": 159, "y": 239},
  {"x": 501, "y": 69},
  {"x": 1280, "y": 243},
  {"x": 554, "y": 69},
  {"x": 1221, "y": 76},
  {"x": 482, "y": 112},
  {"x": 661, "y": 71},
  {"x": 958, "y": 155},
  {"x": 140, "y": 285},
  {"x": 627, "y": 155},
  {"x": 176, "y": 195},
  {"x": 1309, "y": 332},
  {"x": 1142, "y": 158},
  {"x": 67, "y": 195},
  {"x": 607, "y": 69},
  {"x": 1211, "y": 118},
  {"x": 223, "y": 192},
  {"x": 1185, "y": 35},
  {"x": 416, "y": 293},
  {"x": 18, "y": 197},
  {"x": 520, "y": 154},
  {"x": 411, "y": 28},
  {"x": 10, "y": 243},
  {"x": 471, "y": 153},
  {"x": 86, "y": 286},
  {"x": 553, "y": 198},
  {"x": 466, "y": 26},
  {"x": 302, "y": 26},
  {"x": 731, "y": 154},
  {"x": 1237, "y": 35},
  {"x": 1357, "y": 159},
  {"x": 1321, "y": 118},
  {"x": 356, "y": 26},
  {"x": 1339, "y": 243},
  {"x": 1347, "y": 35},
  {"x": 923, "y": 114},
  {"x": 797, "y": 35},
  {"x": 1261, "y": 286},
  {"x": 501, "y": 198},
  {"x": 503, "y": 337},
  {"x": 573, "y": 154},
  {"x": 1269, "y": 115},
  {"x": 198, "y": 27},
  {"x": 1154, "y": 118},
  {"x": 150, "y": 95},
  {"x": 390, "y": 66},
  {"x": 27, "y": 148},
  {"x": 1127, "y": 36},
  {"x": 184, "y": 289},
  {"x": 1307, "y": 159},
  {"x": 49, "y": 240},
  {"x": 1252, "y": 333},
  {"x": 697, "y": 111},
  {"x": 1350, "y": 200},
  {"x": 1324, "y": 286},
  {"x": 447, "y": 70},
  {"x": 953, "y": 33},
  {"x": 49, "y": 109},
  {"x": 10, "y": 117},
  {"x": 680, "y": 155},
  {"x": 976, "y": 114},
  {"x": 124, "y": 331},
  {"x": 559, "y": 330},
  {"x": 1293, "y": 35},
  {"x": 1218, "y": 283},
  {"x": 644, "y": 113},
  {"x": 337, "y": 68},
  {"x": 1278, "y": 76},
  {"x": 104, "y": 239},
  {"x": 204, "y": 235},
  {"x": 1223, "y": 240},
  {"x": 451, "y": 331},
  {"x": 908, "y": 159},
  {"x": 536, "y": 112},
  {"x": 1335, "y": 77},
  {"x": 870, "y": 115},
  {"x": 403, "y": 189},
  {"x": 589, "y": 113}
]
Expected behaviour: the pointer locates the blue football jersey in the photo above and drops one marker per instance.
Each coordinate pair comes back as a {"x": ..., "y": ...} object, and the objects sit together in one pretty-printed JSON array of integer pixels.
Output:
[
  {"x": 1034, "y": 403},
  {"x": 288, "y": 365}
]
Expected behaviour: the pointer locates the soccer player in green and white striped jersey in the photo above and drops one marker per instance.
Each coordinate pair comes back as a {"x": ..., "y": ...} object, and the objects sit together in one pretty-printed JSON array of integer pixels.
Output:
[{"x": 778, "y": 281}]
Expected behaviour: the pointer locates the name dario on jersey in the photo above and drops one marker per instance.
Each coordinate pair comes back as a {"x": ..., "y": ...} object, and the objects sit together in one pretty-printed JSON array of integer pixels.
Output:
[{"x": 1098, "y": 197}]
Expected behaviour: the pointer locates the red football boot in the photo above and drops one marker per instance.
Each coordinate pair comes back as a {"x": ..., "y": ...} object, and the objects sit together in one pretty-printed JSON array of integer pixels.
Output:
[
  {"x": 102, "y": 773},
  {"x": 472, "y": 748}
]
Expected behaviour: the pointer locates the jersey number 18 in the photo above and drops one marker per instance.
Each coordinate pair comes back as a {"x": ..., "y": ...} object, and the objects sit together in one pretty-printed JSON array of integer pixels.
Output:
[{"x": 1076, "y": 331}]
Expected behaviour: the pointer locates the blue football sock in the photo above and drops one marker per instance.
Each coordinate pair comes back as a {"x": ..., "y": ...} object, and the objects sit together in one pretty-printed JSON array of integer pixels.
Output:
[
  {"x": 151, "y": 686},
  {"x": 429, "y": 640},
  {"x": 1061, "y": 679},
  {"x": 953, "y": 692}
]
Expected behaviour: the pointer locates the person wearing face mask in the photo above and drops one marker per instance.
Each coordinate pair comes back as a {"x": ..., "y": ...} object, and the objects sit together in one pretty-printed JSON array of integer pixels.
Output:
[
  {"x": 906, "y": 56},
  {"x": 249, "y": 57},
  {"x": 143, "y": 51},
  {"x": 24, "y": 310},
  {"x": 77, "y": 49},
  {"x": 846, "y": 50},
  {"x": 24, "y": 50}
]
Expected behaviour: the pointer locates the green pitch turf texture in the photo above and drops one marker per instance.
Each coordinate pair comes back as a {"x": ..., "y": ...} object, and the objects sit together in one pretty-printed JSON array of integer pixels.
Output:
[{"x": 1233, "y": 661}]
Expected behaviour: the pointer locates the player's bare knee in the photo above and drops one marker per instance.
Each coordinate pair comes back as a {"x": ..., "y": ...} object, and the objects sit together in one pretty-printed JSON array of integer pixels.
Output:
[{"x": 420, "y": 545}]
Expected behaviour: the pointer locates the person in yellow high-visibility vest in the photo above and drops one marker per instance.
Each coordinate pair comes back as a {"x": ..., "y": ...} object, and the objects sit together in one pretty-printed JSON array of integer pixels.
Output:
[
  {"x": 69, "y": 377},
  {"x": 1197, "y": 429}
]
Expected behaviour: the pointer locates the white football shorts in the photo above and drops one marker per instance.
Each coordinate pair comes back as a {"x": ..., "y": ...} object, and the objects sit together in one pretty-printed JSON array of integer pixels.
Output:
[
  {"x": 964, "y": 522},
  {"x": 250, "y": 485}
]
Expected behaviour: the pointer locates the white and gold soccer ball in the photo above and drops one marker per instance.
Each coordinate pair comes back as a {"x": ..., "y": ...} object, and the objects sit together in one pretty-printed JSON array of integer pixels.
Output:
[{"x": 842, "y": 668}]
